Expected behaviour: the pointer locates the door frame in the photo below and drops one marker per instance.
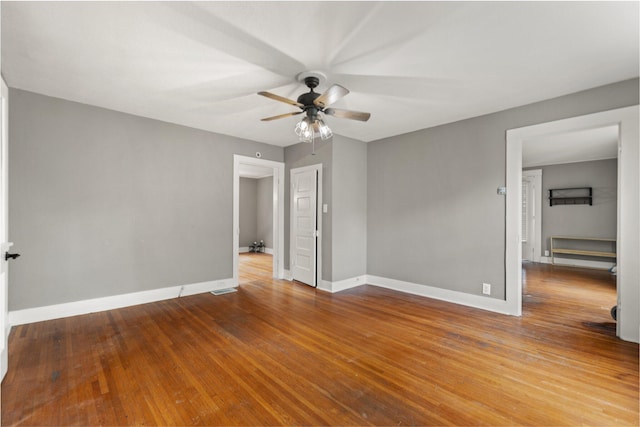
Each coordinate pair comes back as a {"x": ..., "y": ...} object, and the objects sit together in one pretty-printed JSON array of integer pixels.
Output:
[
  {"x": 5, "y": 327},
  {"x": 536, "y": 174},
  {"x": 278, "y": 212},
  {"x": 319, "y": 211},
  {"x": 628, "y": 246}
]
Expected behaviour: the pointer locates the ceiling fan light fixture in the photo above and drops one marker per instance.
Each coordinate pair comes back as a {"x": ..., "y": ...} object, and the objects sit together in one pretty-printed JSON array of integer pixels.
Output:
[
  {"x": 312, "y": 104},
  {"x": 303, "y": 127},
  {"x": 306, "y": 136},
  {"x": 307, "y": 128},
  {"x": 325, "y": 131}
]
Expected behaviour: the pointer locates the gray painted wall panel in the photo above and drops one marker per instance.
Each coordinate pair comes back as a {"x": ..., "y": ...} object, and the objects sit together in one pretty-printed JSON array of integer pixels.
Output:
[
  {"x": 248, "y": 211},
  {"x": 264, "y": 217},
  {"x": 105, "y": 203},
  {"x": 433, "y": 215},
  {"x": 349, "y": 225},
  {"x": 599, "y": 220}
]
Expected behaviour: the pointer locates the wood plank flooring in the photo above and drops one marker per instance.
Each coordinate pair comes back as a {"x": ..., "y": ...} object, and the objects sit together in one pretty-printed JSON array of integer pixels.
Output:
[{"x": 281, "y": 353}]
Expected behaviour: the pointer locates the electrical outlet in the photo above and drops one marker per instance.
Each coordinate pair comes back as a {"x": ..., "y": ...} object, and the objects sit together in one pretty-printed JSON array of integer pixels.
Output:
[
  {"x": 486, "y": 289},
  {"x": 546, "y": 253}
]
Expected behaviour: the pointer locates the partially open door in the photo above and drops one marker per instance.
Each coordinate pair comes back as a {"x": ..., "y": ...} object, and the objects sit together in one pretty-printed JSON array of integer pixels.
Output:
[{"x": 304, "y": 225}]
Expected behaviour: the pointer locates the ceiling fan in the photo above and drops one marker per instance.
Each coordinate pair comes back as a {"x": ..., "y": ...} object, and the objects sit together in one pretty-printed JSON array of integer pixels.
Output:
[{"x": 313, "y": 104}]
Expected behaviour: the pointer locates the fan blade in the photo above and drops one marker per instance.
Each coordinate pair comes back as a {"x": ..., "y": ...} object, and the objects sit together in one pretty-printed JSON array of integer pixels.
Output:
[
  {"x": 281, "y": 99},
  {"x": 347, "y": 114},
  {"x": 281, "y": 116},
  {"x": 330, "y": 96}
]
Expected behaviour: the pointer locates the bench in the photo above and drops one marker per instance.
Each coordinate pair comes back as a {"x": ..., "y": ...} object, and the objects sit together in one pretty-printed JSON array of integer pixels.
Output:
[{"x": 585, "y": 252}]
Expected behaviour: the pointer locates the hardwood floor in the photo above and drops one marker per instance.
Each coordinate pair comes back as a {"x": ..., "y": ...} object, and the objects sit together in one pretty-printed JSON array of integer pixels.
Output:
[{"x": 281, "y": 353}]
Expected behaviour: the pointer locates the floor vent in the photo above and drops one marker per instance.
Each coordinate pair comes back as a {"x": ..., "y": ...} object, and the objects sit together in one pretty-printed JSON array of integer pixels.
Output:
[{"x": 224, "y": 291}]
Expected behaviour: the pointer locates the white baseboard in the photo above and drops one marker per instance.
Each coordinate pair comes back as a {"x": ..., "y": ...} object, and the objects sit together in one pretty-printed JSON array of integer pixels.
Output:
[
  {"x": 245, "y": 249},
  {"x": 455, "y": 297},
  {"x": 76, "y": 308},
  {"x": 587, "y": 263},
  {"x": 342, "y": 285},
  {"x": 469, "y": 300},
  {"x": 288, "y": 275}
]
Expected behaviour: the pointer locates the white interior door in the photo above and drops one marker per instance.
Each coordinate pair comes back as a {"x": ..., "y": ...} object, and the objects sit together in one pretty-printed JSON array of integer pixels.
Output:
[
  {"x": 304, "y": 220},
  {"x": 532, "y": 215},
  {"x": 4, "y": 245},
  {"x": 528, "y": 219}
]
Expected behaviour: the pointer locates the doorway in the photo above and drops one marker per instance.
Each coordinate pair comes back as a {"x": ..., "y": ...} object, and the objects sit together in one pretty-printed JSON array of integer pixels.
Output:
[
  {"x": 628, "y": 249},
  {"x": 242, "y": 166}
]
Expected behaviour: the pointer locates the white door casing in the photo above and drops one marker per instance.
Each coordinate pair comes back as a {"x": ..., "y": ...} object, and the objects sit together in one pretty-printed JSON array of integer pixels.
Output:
[
  {"x": 628, "y": 242},
  {"x": 304, "y": 224},
  {"x": 4, "y": 244},
  {"x": 278, "y": 212}
]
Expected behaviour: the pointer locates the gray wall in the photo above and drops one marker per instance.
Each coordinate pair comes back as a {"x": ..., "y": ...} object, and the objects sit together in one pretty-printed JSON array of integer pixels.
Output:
[
  {"x": 433, "y": 216},
  {"x": 248, "y": 211},
  {"x": 599, "y": 220},
  {"x": 300, "y": 155},
  {"x": 264, "y": 217},
  {"x": 349, "y": 225},
  {"x": 105, "y": 203}
]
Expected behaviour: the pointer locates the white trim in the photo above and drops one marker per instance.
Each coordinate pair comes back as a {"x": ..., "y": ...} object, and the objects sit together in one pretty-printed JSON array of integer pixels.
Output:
[
  {"x": 469, "y": 300},
  {"x": 5, "y": 325},
  {"x": 287, "y": 275},
  {"x": 325, "y": 285},
  {"x": 278, "y": 212},
  {"x": 628, "y": 245},
  {"x": 245, "y": 249},
  {"x": 76, "y": 308},
  {"x": 342, "y": 285},
  {"x": 318, "y": 168},
  {"x": 571, "y": 262},
  {"x": 567, "y": 162}
]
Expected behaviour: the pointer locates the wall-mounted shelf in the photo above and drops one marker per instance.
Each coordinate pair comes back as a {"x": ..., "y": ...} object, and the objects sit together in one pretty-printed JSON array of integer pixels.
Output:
[{"x": 571, "y": 196}]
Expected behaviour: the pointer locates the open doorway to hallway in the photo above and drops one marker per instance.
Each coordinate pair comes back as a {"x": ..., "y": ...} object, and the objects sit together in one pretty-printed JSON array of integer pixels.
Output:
[
  {"x": 256, "y": 213},
  {"x": 627, "y": 248},
  {"x": 259, "y": 225},
  {"x": 571, "y": 229}
]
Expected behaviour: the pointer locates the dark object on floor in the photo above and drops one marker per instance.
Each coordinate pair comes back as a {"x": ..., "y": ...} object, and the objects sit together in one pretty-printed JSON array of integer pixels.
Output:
[{"x": 614, "y": 312}]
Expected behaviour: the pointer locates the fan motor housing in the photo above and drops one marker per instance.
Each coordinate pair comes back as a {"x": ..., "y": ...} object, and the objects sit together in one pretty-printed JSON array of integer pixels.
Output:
[{"x": 307, "y": 99}]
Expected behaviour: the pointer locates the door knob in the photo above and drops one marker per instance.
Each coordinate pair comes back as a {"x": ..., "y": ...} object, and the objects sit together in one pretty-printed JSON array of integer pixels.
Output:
[{"x": 8, "y": 256}]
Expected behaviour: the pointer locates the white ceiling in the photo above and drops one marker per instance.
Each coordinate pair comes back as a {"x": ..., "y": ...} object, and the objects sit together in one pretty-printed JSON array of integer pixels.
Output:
[
  {"x": 571, "y": 147},
  {"x": 412, "y": 65}
]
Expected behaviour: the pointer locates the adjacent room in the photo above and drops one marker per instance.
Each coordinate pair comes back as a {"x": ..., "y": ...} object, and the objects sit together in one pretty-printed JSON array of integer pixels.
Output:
[{"x": 320, "y": 213}]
